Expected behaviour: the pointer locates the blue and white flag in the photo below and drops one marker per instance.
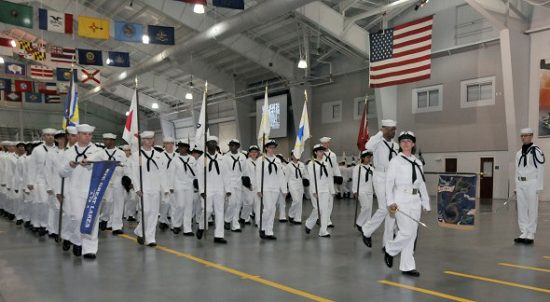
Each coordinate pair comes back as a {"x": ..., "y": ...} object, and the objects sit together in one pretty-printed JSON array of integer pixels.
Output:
[
  {"x": 303, "y": 131},
  {"x": 128, "y": 32},
  {"x": 101, "y": 175}
]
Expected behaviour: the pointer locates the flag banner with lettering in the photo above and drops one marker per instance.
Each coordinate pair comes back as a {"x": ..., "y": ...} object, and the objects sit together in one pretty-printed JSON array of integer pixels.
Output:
[
  {"x": 90, "y": 57},
  {"x": 23, "y": 86},
  {"x": 15, "y": 69},
  {"x": 33, "y": 97},
  {"x": 456, "y": 201},
  {"x": 62, "y": 55},
  {"x": 102, "y": 172},
  {"x": 402, "y": 54},
  {"x": 161, "y": 35},
  {"x": 128, "y": 32},
  {"x": 93, "y": 28},
  {"x": 41, "y": 72},
  {"x": 55, "y": 21},
  {"x": 16, "y": 14},
  {"x": 119, "y": 59},
  {"x": 234, "y": 4}
]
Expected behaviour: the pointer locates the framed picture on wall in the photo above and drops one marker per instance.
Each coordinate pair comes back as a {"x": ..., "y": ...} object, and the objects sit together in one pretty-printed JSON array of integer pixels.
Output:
[
  {"x": 544, "y": 98},
  {"x": 359, "y": 103}
]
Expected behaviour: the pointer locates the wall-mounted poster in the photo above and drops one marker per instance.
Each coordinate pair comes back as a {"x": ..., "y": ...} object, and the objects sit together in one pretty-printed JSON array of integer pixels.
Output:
[
  {"x": 457, "y": 205},
  {"x": 544, "y": 98}
]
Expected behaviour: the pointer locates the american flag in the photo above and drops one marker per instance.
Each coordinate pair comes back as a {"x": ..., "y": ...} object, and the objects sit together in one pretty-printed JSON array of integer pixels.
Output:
[{"x": 401, "y": 54}]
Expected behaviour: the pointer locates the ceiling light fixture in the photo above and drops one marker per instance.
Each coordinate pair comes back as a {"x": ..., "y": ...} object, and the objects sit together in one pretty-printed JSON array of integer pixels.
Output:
[
  {"x": 145, "y": 39},
  {"x": 1, "y": 60},
  {"x": 155, "y": 106},
  {"x": 127, "y": 113},
  {"x": 198, "y": 9},
  {"x": 302, "y": 64},
  {"x": 108, "y": 61},
  {"x": 13, "y": 43},
  {"x": 188, "y": 96}
]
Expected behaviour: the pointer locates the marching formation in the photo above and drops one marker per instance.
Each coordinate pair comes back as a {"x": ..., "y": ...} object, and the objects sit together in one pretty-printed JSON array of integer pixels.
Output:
[{"x": 45, "y": 187}]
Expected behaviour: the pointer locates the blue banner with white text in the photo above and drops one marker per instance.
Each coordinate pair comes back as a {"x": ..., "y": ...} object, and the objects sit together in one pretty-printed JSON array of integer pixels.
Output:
[{"x": 101, "y": 175}]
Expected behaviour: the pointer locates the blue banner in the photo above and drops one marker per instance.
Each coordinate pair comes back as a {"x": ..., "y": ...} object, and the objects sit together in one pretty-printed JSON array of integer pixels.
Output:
[
  {"x": 119, "y": 59},
  {"x": 235, "y": 4},
  {"x": 161, "y": 35},
  {"x": 456, "y": 201},
  {"x": 129, "y": 32},
  {"x": 101, "y": 175},
  {"x": 90, "y": 57}
]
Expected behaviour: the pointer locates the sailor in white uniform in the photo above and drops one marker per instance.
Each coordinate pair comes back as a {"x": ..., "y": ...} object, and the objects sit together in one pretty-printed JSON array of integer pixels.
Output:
[
  {"x": 250, "y": 187},
  {"x": 185, "y": 177},
  {"x": 322, "y": 189},
  {"x": 296, "y": 176},
  {"x": 332, "y": 163},
  {"x": 529, "y": 185},
  {"x": 362, "y": 188},
  {"x": 234, "y": 162},
  {"x": 406, "y": 194}
]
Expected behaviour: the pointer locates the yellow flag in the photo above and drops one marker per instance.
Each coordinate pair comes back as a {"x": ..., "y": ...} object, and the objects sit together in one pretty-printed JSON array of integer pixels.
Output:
[{"x": 94, "y": 28}]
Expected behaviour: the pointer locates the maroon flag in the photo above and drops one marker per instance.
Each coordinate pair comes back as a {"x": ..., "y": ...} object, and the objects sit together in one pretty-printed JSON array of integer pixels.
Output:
[
  {"x": 23, "y": 86},
  {"x": 363, "y": 136}
]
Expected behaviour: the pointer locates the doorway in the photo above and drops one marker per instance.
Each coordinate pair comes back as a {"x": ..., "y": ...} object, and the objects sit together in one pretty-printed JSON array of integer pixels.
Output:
[{"x": 486, "y": 178}]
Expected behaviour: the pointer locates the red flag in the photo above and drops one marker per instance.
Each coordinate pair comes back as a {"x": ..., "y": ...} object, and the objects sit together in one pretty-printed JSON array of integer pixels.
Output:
[
  {"x": 363, "y": 136},
  {"x": 23, "y": 86}
]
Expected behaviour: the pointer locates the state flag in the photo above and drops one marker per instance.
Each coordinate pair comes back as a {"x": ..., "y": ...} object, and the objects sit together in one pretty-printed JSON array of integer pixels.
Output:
[
  {"x": 12, "y": 96},
  {"x": 234, "y": 4},
  {"x": 41, "y": 72},
  {"x": 52, "y": 99},
  {"x": 62, "y": 55},
  {"x": 89, "y": 76},
  {"x": 23, "y": 86},
  {"x": 64, "y": 74},
  {"x": 90, "y": 57},
  {"x": 16, "y": 14},
  {"x": 93, "y": 28},
  {"x": 128, "y": 32},
  {"x": 48, "y": 88},
  {"x": 118, "y": 59},
  {"x": 33, "y": 97},
  {"x": 55, "y": 21},
  {"x": 15, "y": 69},
  {"x": 31, "y": 51},
  {"x": 161, "y": 35},
  {"x": 5, "y": 84},
  {"x": 62, "y": 87}
]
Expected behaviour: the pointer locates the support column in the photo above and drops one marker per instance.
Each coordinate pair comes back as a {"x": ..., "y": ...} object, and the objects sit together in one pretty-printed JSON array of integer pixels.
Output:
[{"x": 386, "y": 104}]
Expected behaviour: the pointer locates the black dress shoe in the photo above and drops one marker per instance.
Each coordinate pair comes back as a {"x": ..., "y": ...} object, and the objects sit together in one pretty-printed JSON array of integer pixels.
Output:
[
  {"x": 176, "y": 230},
  {"x": 247, "y": 222},
  {"x": 528, "y": 241},
  {"x": 109, "y": 228},
  {"x": 270, "y": 237},
  {"x": 227, "y": 226},
  {"x": 102, "y": 225},
  {"x": 412, "y": 273},
  {"x": 359, "y": 228},
  {"x": 237, "y": 231},
  {"x": 199, "y": 234},
  {"x": 262, "y": 234},
  {"x": 283, "y": 220},
  {"x": 163, "y": 226},
  {"x": 27, "y": 224},
  {"x": 54, "y": 237},
  {"x": 519, "y": 240},
  {"x": 152, "y": 244},
  {"x": 131, "y": 218},
  {"x": 189, "y": 234},
  {"x": 211, "y": 223},
  {"x": 117, "y": 232},
  {"x": 330, "y": 226},
  {"x": 220, "y": 240},
  {"x": 42, "y": 232},
  {"x": 89, "y": 256},
  {"x": 388, "y": 259},
  {"x": 19, "y": 222},
  {"x": 367, "y": 241},
  {"x": 140, "y": 240},
  {"x": 297, "y": 222},
  {"x": 308, "y": 230},
  {"x": 291, "y": 219},
  {"x": 66, "y": 245},
  {"x": 241, "y": 221},
  {"x": 325, "y": 236},
  {"x": 77, "y": 250}
]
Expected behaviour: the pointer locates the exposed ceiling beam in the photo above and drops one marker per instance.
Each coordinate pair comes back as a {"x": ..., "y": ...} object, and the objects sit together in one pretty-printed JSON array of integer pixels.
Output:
[{"x": 377, "y": 11}]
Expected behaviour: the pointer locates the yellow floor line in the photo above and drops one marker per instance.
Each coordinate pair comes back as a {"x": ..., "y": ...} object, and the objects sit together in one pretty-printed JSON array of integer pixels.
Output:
[
  {"x": 532, "y": 268},
  {"x": 546, "y": 257},
  {"x": 425, "y": 291},
  {"x": 235, "y": 272},
  {"x": 542, "y": 290}
]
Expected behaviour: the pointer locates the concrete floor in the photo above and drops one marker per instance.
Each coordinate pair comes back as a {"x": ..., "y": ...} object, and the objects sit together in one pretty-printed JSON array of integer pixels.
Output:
[{"x": 296, "y": 267}]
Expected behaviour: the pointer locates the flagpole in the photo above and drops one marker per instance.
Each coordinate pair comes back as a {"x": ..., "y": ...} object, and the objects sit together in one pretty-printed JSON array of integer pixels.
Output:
[
  {"x": 140, "y": 166},
  {"x": 205, "y": 156},
  {"x": 262, "y": 186}
]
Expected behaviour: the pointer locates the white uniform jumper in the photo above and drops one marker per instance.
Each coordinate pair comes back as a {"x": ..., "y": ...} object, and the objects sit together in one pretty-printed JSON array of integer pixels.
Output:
[
  {"x": 130, "y": 197},
  {"x": 78, "y": 189},
  {"x": 167, "y": 183},
  {"x": 529, "y": 184},
  {"x": 113, "y": 200},
  {"x": 383, "y": 152},
  {"x": 406, "y": 187},
  {"x": 21, "y": 206},
  {"x": 295, "y": 174},
  {"x": 250, "y": 194},
  {"x": 320, "y": 173},
  {"x": 274, "y": 184},
  {"x": 235, "y": 167},
  {"x": 151, "y": 169},
  {"x": 10, "y": 168},
  {"x": 216, "y": 189},
  {"x": 365, "y": 194},
  {"x": 41, "y": 178},
  {"x": 332, "y": 163},
  {"x": 185, "y": 168}
]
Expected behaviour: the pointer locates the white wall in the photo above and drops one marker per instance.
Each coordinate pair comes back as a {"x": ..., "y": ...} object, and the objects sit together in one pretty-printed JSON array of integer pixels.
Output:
[{"x": 469, "y": 162}]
